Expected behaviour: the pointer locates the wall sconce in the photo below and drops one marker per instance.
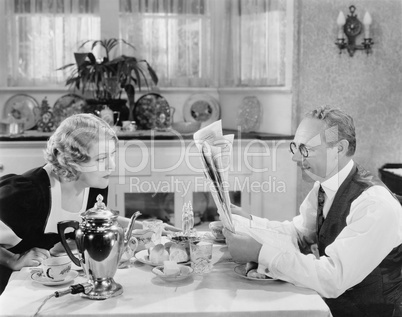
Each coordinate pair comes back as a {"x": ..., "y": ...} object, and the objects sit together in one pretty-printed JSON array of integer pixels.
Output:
[{"x": 352, "y": 27}]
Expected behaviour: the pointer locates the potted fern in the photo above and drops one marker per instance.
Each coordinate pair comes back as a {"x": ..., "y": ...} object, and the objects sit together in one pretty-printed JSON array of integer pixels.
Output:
[{"x": 105, "y": 79}]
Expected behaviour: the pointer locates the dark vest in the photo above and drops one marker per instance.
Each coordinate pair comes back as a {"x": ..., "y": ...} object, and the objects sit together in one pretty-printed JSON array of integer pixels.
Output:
[{"x": 385, "y": 280}]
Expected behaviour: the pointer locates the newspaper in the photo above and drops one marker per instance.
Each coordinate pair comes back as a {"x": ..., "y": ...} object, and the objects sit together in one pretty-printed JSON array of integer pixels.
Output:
[{"x": 216, "y": 154}]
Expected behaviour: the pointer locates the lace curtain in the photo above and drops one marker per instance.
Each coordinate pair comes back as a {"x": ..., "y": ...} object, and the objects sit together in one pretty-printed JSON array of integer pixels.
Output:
[
  {"x": 44, "y": 35},
  {"x": 190, "y": 43},
  {"x": 250, "y": 42},
  {"x": 221, "y": 43},
  {"x": 174, "y": 36}
]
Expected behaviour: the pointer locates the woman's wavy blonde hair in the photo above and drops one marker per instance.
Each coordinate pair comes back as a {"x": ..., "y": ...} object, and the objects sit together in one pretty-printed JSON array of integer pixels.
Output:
[{"x": 70, "y": 144}]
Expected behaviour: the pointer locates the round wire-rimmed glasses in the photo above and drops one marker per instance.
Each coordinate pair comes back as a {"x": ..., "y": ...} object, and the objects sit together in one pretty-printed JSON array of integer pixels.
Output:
[{"x": 302, "y": 149}]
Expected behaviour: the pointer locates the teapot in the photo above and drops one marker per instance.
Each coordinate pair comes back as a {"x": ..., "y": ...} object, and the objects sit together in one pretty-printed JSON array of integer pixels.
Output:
[{"x": 101, "y": 242}]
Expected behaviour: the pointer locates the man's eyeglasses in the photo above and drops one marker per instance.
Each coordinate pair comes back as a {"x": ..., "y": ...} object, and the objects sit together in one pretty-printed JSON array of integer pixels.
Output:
[{"x": 302, "y": 148}]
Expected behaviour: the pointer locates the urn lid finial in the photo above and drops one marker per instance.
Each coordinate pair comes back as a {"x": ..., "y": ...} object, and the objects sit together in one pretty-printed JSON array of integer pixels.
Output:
[{"x": 99, "y": 211}]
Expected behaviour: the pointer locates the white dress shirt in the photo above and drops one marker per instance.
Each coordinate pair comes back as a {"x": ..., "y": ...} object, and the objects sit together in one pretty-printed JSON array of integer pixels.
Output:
[{"x": 373, "y": 228}]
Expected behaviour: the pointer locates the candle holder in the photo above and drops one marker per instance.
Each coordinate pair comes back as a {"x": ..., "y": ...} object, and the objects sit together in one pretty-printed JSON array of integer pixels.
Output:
[{"x": 352, "y": 28}]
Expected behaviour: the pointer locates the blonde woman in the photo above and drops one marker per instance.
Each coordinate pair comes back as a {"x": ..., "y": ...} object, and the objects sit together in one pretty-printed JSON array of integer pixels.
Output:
[{"x": 80, "y": 157}]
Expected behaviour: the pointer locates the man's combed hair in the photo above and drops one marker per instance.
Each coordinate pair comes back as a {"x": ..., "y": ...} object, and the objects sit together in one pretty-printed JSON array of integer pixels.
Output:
[
  {"x": 336, "y": 118},
  {"x": 69, "y": 145}
]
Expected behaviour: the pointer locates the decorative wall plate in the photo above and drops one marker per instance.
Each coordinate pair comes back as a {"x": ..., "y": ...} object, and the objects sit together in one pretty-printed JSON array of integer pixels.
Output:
[
  {"x": 249, "y": 114},
  {"x": 201, "y": 107},
  {"x": 66, "y": 106},
  {"x": 152, "y": 111},
  {"x": 23, "y": 108}
]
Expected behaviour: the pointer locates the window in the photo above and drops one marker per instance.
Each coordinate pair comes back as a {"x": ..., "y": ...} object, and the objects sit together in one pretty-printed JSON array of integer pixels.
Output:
[
  {"x": 43, "y": 36},
  {"x": 225, "y": 43},
  {"x": 174, "y": 36},
  {"x": 262, "y": 34},
  {"x": 190, "y": 43}
]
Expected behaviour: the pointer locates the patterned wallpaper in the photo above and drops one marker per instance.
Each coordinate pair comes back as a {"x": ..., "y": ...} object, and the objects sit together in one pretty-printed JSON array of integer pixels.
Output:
[{"x": 367, "y": 87}]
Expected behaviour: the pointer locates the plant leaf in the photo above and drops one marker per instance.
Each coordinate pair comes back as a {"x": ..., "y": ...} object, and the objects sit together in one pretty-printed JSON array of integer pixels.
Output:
[{"x": 151, "y": 71}]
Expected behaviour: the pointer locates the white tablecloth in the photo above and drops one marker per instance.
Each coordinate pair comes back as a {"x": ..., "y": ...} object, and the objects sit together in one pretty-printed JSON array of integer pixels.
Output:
[{"x": 221, "y": 292}]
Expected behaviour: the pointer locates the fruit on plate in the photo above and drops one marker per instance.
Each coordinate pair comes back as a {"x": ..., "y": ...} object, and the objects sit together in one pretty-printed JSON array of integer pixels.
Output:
[
  {"x": 170, "y": 268},
  {"x": 168, "y": 245},
  {"x": 158, "y": 254},
  {"x": 251, "y": 271},
  {"x": 178, "y": 253}
]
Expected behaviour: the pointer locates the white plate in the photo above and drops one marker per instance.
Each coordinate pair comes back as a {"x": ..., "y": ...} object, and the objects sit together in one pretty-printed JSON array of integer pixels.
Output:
[
  {"x": 143, "y": 257},
  {"x": 201, "y": 107},
  {"x": 23, "y": 108},
  {"x": 240, "y": 270},
  {"x": 188, "y": 271},
  {"x": 38, "y": 278}
]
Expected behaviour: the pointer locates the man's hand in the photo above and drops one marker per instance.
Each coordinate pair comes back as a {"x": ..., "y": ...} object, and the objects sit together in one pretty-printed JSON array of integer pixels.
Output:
[
  {"x": 236, "y": 210},
  {"x": 242, "y": 248}
]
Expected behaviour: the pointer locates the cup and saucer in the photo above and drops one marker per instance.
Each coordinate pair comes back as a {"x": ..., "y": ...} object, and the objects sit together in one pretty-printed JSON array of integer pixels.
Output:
[
  {"x": 39, "y": 278},
  {"x": 216, "y": 233},
  {"x": 59, "y": 251},
  {"x": 54, "y": 271}
]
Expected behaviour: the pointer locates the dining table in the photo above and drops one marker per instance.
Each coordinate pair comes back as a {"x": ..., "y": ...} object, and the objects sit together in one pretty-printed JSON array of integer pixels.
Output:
[{"x": 221, "y": 292}]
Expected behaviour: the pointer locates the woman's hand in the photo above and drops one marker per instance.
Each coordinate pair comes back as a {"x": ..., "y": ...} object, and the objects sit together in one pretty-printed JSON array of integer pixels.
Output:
[
  {"x": 242, "y": 247},
  {"x": 236, "y": 210},
  {"x": 33, "y": 257}
]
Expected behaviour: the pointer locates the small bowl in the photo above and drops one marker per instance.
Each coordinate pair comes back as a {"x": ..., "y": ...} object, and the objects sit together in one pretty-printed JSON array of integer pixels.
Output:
[
  {"x": 185, "y": 272},
  {"x": 186, "y": 127},
  {"x": 216, "y": 228}
]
